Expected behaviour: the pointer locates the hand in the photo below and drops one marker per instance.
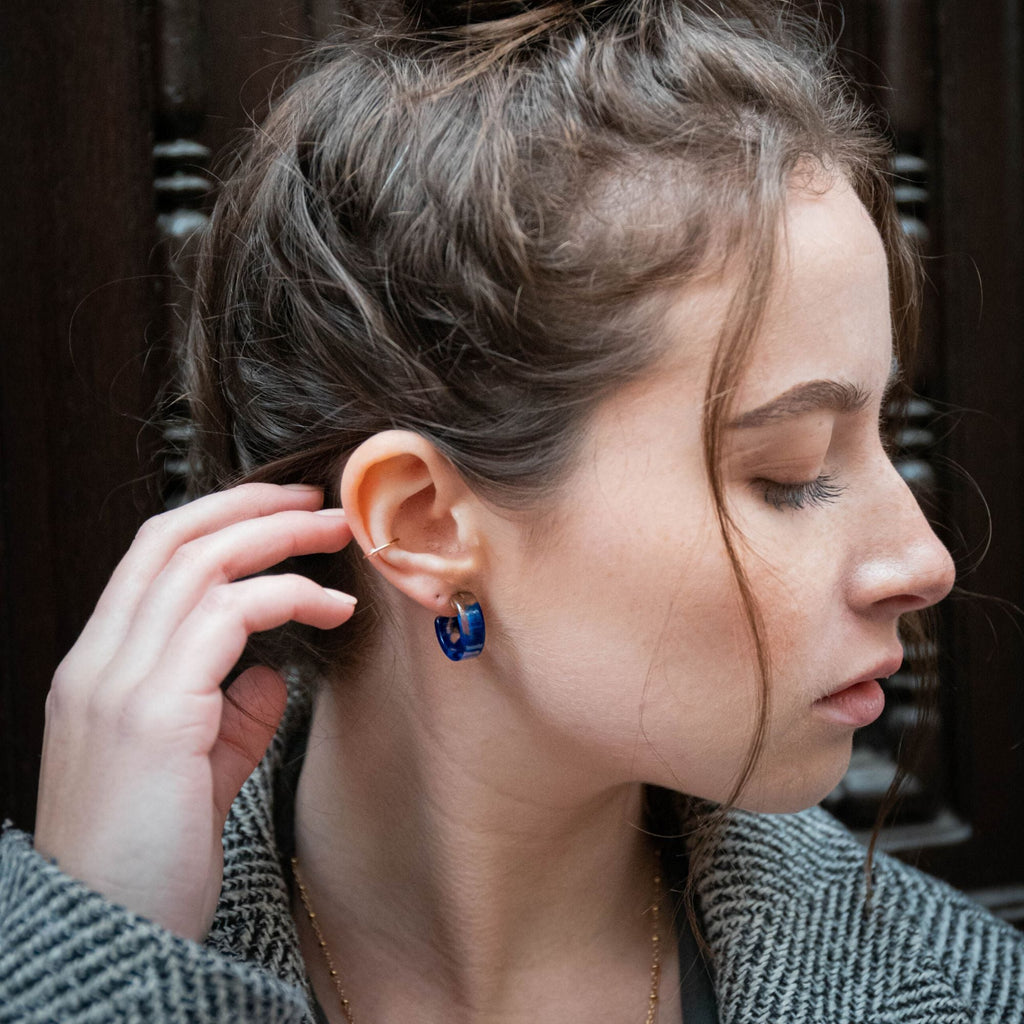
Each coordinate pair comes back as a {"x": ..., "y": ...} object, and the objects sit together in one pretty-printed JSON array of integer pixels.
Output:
[{"x": 142, "y": 755}]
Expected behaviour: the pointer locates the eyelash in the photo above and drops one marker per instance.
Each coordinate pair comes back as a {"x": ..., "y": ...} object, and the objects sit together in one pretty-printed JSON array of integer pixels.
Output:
[{"x": 823, "y": 490}]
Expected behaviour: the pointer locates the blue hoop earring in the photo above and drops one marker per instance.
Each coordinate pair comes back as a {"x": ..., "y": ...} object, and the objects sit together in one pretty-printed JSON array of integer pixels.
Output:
[{"x": 467, "y": 623}]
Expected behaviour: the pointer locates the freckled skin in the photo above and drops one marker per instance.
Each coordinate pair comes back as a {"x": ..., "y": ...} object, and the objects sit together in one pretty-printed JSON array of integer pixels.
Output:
[
  {"x": 632, "y": 647},
  {"x": 503, "y": 792}
]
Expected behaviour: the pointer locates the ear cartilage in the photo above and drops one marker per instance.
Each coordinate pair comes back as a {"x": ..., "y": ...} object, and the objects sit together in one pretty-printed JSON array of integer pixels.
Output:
[
  {"x": 380, "y": 547},
  {"x": 461, "y": 635}
]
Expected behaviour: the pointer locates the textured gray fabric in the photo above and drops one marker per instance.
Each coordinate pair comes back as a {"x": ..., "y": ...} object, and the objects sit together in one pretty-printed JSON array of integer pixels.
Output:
[
  {"x": 784, "y": 909},
  {"x": 782, "y": 900}
]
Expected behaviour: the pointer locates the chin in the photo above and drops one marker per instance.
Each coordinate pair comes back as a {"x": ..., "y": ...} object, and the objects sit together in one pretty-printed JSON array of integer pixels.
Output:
[{"x": 786, "y": 791}]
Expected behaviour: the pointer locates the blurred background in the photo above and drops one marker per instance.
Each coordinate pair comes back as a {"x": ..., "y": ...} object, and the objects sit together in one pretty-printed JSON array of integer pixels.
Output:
[{"x": 116, "y": 118}]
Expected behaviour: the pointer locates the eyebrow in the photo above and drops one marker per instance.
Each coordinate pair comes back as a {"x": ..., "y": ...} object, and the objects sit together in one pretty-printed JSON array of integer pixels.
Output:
[{"x": 812, "y": 396}]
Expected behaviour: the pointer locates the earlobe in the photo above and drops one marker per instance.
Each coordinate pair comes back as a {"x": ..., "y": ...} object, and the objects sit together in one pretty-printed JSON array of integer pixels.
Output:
[{"x": 410, "y": 508}]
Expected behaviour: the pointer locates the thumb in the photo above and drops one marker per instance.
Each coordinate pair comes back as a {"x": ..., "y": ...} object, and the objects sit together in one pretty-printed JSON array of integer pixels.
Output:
[{"x": 253, "y": 706}]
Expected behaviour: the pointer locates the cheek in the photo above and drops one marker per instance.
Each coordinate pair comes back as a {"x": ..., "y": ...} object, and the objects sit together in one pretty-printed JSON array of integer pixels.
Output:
[
  {"x": 796, "y": 577},
  {"x": 702, "y": 688},
  {"x": 626, "y": 625},
  {"x": 709, "y": 685}
]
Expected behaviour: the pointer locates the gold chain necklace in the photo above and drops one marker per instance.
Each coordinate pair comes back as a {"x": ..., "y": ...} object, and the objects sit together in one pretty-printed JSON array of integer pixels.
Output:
[{"x": 346, "y": 1006}]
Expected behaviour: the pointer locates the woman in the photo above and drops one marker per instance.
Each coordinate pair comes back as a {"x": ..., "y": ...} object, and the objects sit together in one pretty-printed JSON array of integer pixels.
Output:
[{"x": 560, "y": 340}]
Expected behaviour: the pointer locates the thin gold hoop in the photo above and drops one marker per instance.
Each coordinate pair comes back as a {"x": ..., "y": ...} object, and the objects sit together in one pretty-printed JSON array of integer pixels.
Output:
[{"x": 379, "y": 548}]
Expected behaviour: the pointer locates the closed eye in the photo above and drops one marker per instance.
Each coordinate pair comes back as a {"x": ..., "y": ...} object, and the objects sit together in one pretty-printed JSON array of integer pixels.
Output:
[{"x": 822, "y": 490}]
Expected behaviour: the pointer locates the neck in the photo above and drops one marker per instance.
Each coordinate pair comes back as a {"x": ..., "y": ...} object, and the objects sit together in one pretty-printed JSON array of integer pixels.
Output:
[{"x": 461, "y": 868}]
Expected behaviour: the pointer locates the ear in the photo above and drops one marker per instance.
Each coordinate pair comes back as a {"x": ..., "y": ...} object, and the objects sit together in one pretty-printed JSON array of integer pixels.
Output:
[{"x": 397, "y": 487}]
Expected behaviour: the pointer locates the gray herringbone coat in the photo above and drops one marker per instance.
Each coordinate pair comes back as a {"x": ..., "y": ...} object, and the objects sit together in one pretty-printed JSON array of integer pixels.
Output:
[{"x": 782, "y": 902}]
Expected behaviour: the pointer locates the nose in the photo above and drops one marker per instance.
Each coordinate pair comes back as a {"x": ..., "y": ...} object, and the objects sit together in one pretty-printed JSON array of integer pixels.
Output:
[{"x": 904, "y": 566}]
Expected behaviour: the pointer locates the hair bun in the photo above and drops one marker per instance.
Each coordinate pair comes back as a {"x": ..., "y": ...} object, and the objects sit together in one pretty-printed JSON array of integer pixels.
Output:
[{"x": 460, "y": 14}]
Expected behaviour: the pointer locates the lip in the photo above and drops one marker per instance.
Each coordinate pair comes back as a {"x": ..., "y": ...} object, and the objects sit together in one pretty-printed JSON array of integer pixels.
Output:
[{"x": 860, "y": 702}]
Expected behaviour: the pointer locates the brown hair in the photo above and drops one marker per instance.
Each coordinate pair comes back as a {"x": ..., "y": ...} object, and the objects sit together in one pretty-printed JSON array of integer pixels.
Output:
[{"x": 471, "y": 233}]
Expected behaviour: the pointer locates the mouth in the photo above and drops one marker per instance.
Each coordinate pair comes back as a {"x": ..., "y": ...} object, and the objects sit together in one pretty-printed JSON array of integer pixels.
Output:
[{"x": 861, "y": 702}]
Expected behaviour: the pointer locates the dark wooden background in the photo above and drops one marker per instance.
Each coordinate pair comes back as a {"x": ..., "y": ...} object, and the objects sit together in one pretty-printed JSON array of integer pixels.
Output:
[{"x": 112, "y": 115}]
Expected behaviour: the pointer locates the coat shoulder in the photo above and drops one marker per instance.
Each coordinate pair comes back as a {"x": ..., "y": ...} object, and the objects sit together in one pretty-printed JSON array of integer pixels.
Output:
[{"x": 796, "y": 919}]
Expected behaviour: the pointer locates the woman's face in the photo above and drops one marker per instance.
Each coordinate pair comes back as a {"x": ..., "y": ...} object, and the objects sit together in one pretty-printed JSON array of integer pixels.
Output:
[{"x": 623, "y": 614}]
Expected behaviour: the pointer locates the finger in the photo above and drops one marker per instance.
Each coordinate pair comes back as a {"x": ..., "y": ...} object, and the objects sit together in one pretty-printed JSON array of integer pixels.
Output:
[
  {"x": 157, "y": 541},
  {"x": 212, "y": 562},
  {"x": 246, "y": 548},
  {"x": 208, "y": 643},
  {"x": 252, "y": 710},
  {"x": 160, "y": 537}
]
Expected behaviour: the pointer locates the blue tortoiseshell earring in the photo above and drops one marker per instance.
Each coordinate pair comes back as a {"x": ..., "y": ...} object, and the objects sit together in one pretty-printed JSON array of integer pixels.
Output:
[{"x": 461, "y": 635}]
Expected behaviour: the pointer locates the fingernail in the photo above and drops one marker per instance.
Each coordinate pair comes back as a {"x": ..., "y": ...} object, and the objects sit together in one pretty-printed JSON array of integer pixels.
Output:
[
  {"x": 339, "y": 595},
  {"x": 302, "y": 487},
  {"x": 329, "y": 512}
]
